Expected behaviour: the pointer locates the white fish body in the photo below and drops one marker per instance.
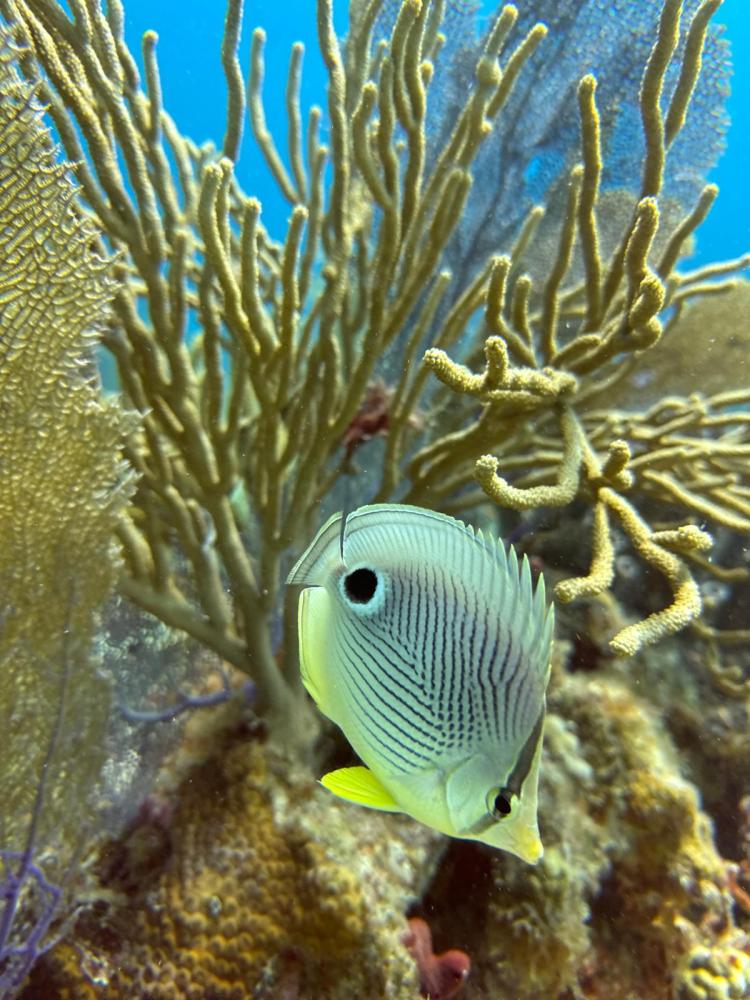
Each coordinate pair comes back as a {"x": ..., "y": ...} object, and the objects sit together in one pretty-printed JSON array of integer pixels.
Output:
[{"x": 429, "y": 646}]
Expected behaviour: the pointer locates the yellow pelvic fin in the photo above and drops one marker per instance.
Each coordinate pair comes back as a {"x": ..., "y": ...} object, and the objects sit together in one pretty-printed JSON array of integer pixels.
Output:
[{"x": 359, "y": 784}]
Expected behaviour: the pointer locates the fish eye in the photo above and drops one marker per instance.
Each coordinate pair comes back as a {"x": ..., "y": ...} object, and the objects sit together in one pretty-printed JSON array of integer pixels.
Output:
[
  {"x": 501, "y": 803},
  {"x": 360, "y": 585}
]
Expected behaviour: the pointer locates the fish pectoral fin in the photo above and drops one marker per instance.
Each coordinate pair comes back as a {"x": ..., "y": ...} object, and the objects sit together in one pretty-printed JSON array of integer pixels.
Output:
[
  {"x": 359, "y": 784},
  {"x": 312, "y": 624}
]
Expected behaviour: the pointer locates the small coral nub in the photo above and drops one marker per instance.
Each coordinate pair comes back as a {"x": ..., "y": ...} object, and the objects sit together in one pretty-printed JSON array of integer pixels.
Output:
[{"x": 440, "y": 976}]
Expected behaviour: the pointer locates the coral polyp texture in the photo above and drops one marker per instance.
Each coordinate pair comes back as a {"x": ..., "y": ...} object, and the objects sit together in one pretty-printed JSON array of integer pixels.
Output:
[{"x": 258, "y": 884}]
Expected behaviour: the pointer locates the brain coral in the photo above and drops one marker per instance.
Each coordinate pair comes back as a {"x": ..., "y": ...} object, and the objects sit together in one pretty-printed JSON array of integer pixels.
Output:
[{"x": 267, "y": 889}]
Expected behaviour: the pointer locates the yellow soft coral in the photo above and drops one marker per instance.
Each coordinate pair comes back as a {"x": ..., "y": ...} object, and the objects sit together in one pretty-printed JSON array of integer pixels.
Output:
[{"x": 720, "y": 973}]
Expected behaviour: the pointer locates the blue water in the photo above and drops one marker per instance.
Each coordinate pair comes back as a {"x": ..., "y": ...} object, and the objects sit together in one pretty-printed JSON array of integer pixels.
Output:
[{"x": 194, "y": 91}]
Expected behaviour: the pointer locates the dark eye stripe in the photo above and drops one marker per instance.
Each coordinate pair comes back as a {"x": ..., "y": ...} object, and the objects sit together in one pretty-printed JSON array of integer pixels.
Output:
[{"x": 525, "y": 758}]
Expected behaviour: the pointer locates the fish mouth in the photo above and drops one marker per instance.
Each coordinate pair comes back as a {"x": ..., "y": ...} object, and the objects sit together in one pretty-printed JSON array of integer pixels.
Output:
[{"x": 513, "y": 834}]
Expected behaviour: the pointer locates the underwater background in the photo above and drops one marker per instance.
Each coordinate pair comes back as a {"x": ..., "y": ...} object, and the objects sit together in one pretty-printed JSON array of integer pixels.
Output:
[
  {"x": 195, "y": 89},
  {"x": 490, "y": 279}
]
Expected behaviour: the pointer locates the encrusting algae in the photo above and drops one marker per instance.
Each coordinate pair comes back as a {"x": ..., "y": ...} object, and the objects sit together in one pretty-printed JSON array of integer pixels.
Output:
[{"x": 368, "y": 358}]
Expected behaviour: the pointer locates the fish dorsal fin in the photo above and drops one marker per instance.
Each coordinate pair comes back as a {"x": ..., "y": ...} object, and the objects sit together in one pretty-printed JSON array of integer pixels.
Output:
[
  {"x": 359, "y": 784},
  {"x": 540, "y": 617}
]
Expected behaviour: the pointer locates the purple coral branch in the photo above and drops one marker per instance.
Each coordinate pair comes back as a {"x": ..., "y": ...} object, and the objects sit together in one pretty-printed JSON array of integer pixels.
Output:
[
  {"x": 186, "y": 702},
  {"x": 16, "y": 960}
]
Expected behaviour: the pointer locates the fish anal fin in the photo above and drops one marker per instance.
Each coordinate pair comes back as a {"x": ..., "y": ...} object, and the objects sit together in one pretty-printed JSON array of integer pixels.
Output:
[{"x": 359, "y": 785}]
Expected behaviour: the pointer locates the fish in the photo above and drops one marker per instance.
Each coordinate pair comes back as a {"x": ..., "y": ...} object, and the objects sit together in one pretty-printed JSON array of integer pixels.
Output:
[{"x": 426, "y": 642}]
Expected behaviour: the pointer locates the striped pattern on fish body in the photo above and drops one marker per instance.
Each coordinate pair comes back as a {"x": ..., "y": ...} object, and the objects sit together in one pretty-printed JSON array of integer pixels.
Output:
[{"x": 428, "y": 645}]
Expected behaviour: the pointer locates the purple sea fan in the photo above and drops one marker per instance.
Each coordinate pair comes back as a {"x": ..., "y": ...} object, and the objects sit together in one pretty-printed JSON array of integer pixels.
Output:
[
  {"x": 29, "y": 904},
  {"x": 537, "y": 136},
  {"x": 28, "y": 900}
]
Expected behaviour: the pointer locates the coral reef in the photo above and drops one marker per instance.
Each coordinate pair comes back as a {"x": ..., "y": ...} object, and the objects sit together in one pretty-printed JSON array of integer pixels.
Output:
[
  {"x": 240, "y": 878},
  {"x": 523, "y": 161},
  {"x": 251, "y": 361},
  {"x": 62, "y": 487},
  {"x": 263, "y": 373},
  {"x": 715, "y": 974},
  {"x": 554, "y": 348},
  {"x": 630, "y": 889},
  {"x": 256, "y": 879}
]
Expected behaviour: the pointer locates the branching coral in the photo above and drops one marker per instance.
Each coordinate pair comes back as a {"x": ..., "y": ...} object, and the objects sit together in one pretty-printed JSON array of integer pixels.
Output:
[
  {"x": 259, "y": 401},
  {"x": 556, "y": 350},
  {"x": 255, "y": 367},
  {"x": 538, "y": 142},
  {"x": 250, "y": 360}
]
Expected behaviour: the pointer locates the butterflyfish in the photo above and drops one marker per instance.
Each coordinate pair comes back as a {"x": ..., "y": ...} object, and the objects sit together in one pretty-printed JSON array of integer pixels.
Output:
[{"x": 427, "y": 643}]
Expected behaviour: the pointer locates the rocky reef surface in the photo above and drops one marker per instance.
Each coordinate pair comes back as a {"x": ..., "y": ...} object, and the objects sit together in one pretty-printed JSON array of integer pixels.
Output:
[{"x": 240, "y": 877}]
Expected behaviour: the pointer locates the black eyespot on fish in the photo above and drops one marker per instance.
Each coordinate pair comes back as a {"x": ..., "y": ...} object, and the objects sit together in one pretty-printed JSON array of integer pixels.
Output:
[
  {"x": 360, "y": 585},
  {"x": 502, "y": 804}
]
